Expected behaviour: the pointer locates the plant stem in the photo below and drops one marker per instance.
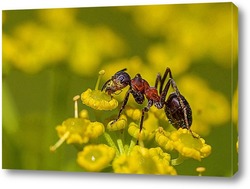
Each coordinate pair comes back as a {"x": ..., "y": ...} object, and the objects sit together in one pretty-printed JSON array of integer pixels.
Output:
[
  {"x": 132, "y": 144},
  {"x": 120, "y": 146},
  {"x": 111, "y": 142}
]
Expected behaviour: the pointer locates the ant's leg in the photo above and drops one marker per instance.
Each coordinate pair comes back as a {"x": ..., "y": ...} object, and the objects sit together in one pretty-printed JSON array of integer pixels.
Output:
[
  {"x": 145, "y": 109},
  {"x": 164, "y": 92},
  {"x": 168, "y": 71},
  {"x": 123, "y": 106},
  {"x": 158, "y": 80},
  {"x": 161, "y": 80},
  {"x": 166, "y": 88}
]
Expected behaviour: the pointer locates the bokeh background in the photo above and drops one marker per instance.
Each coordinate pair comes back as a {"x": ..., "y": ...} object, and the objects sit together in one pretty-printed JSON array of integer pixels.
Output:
[{"x": 51, "y": 55}]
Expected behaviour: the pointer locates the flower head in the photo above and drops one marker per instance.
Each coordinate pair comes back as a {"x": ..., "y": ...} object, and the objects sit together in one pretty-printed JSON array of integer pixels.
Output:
[
  {"x": 134, "y": 131},
  {"x": 121, "y": 123},
  {"x": 200, "y": 170},
  {"x": 188, "y": 146},
  {"x": 144, "y": 161},
  {"x": 134, "y": 114},
  {"x": 77, "y": 130},
  {"x": 95, "y": 157},
  {"x": 97, "y": 99},
  {"x": 162, "y": 138}
]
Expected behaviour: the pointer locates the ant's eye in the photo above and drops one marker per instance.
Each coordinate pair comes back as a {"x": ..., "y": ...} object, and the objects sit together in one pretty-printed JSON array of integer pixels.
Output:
[{"x": 121, "y": 78}]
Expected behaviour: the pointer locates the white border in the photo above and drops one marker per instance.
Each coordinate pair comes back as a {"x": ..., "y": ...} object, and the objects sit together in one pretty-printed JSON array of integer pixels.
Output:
[{"x": 45, "y": 179}]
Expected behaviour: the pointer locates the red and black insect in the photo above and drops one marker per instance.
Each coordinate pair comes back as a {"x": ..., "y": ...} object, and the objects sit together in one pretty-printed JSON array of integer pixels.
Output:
[{"x": 177, "y": 109}]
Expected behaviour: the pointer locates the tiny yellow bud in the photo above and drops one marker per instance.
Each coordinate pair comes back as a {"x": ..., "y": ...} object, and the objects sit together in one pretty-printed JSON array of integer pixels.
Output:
[
  {"x": 200, "y": 170},
  {"x": 101, "y": 72},
  {"x": 121, "y": 123},
  {"x": 84, "y": 114}
]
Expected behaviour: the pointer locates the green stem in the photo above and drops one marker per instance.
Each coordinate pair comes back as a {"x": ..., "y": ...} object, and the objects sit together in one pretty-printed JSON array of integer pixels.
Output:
[
  {"x": 132, "y": 144},
  {"x": 111, "y": 142},
  {"x": 120, "y": 146}
]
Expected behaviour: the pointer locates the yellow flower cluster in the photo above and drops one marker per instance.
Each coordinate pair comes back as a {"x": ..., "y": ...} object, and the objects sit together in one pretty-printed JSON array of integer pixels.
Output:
[
  {"x": 188, "y": 146},
  {"x": 134, "y": 131},
  {"x": 161, "y": 22},
  {"x": 38, "y": 43},
  {"x": 115, "y": 148},
  {"x": 182, "y": 141},
  {"x": 86, "y": 130},
  {"x": 78, "y": 130},
  {"x": 144, "y": 161}
]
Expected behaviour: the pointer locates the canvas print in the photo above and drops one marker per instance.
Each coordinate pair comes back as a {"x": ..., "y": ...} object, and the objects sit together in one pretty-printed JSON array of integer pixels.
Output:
[{"x": 149, "y": 89}]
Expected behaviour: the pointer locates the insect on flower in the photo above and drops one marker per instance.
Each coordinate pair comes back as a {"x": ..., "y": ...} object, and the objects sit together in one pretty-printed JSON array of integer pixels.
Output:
[{"x": 177, "y": 109}]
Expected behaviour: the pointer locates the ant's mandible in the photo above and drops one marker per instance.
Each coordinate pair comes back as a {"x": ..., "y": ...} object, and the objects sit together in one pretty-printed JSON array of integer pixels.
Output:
[{"x": 177, "y": 109}]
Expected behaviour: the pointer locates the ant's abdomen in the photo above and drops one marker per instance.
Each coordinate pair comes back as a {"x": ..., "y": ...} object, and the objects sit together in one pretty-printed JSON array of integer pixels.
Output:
[{"x": 178, "y": 111}]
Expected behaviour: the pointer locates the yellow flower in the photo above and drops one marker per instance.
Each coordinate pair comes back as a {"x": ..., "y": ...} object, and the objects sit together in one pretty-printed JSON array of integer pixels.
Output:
[
  {"x": 78, "y": 130},
  {"x": 98, "y": 100},
  {"x": 162, "y": 138},
  {"x": 91, "y": 46},
  {"x": 94, "y": 158},
  {"x": 134, "y": 131},
  {"x": 159, "y": 113},
  {"x": 188, "y": 146},
  {"x": 144, "y": 161},
  {"x": 121, "y": 123},
  {"x": 30, "y": 54},
  {"x": 134, "y": 114},
  {"x": 200, "y": 170},
  {"x": 150, "y": 125}
]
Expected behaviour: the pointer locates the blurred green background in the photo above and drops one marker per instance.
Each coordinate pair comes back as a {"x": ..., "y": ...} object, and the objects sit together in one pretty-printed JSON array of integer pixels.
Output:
[{"x": 51, "y": 55}]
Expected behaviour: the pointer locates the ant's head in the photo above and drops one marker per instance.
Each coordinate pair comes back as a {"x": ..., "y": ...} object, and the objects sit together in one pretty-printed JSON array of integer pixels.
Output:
[{"x": 117, "y": 82}]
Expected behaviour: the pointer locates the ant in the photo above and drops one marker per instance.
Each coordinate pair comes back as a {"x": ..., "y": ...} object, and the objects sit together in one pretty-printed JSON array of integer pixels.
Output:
[{"x": 177, "y": 109}]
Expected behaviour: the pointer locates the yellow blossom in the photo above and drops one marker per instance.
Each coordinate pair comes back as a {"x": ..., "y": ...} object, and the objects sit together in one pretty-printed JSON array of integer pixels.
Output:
[
  {"x": 78, "y": 130},
  {"x": 121, "y": 123},
  {"x": 94, "y": 158},
  {"x": 144, "y": 161},
  {"x": 159, "y": 113},
  {"x": 188, "y": 146},
  {"x": 91, "y": 46},
  {"x": 134, "y": 131},
  {"x": 98, "y": 100},
  {"x": 32, "y": 55},
  {"x": 134, "y": 114},
  {"x": 150, "y": 124},
  {"x": 200, "y": 170},
  {"x": 162, "y": 138}
]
